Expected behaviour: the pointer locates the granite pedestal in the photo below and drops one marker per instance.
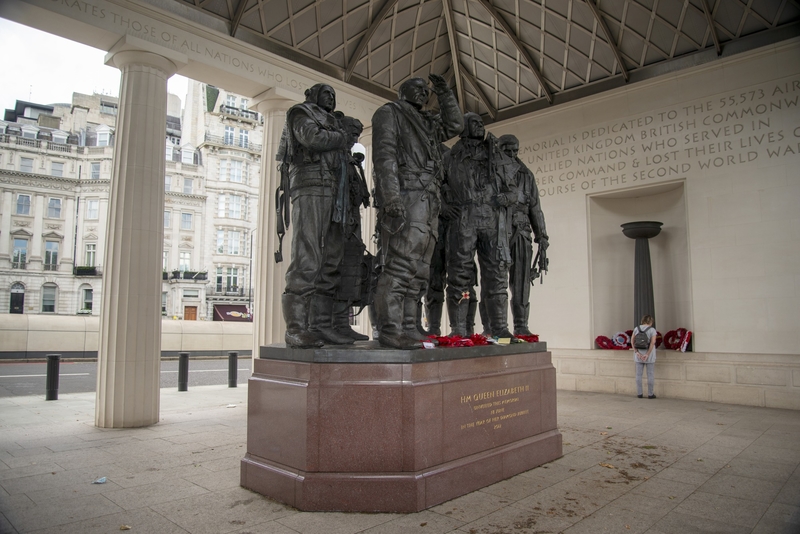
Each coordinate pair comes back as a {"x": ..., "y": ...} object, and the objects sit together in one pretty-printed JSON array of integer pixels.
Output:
[{"x": 367, "y": 429}]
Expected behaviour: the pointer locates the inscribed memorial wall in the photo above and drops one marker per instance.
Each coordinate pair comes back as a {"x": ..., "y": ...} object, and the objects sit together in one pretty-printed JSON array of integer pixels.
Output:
[{"x": 728, "y": 135}]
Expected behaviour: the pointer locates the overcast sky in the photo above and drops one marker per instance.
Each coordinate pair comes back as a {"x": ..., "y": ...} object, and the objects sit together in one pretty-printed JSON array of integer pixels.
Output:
[{"x": 45, "y": 69}]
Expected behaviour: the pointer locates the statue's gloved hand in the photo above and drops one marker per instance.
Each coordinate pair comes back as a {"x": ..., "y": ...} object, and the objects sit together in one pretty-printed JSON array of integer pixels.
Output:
[
  {"x": 440, "y": 85},
  {"x": 395, "y": 208},
  {"x": 543, "y": 242},
  {"x": 504, "y": 200}
]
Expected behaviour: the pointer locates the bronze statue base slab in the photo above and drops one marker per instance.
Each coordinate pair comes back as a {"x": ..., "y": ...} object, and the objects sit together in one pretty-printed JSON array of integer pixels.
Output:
[{"x": 372, "y": 436}]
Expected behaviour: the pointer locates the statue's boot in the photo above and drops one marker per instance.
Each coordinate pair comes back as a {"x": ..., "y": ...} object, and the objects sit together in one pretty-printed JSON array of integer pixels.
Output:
[
  {"x": 473, "y": 305},
  {"x": 497, "y": 312},
  {"x": 418, "y": 319},
  {"x": 390, "y": 310},
  {"x": 520, "y": 315},
  {"x": 433, "y": 311},
  {"x": 295, "y": 313},
  {"x": 458, "y": 316},
  {"x": 412, "y": 321},
  {"x": 341, "y": 321},
  {"x": 321, "y": 321},
  {"x": 487, "y": 331},
  {"x": 373, "y": 319}
]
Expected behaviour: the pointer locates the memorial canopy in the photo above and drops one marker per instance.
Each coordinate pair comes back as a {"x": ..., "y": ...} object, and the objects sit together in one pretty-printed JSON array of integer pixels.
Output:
[{"x": 504, "y": 57}]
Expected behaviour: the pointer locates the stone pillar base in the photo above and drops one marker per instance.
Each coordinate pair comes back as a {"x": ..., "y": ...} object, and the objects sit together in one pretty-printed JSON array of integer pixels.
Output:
[{"x": 361, "y": 430}]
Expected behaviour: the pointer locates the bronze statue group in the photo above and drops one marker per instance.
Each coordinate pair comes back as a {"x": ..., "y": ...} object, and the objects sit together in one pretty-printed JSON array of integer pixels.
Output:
[{"x": 437, "y": 209}]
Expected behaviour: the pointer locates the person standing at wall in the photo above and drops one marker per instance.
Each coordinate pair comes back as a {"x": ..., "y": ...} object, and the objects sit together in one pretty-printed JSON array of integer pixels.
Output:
[{"x": 645, "y": 356}]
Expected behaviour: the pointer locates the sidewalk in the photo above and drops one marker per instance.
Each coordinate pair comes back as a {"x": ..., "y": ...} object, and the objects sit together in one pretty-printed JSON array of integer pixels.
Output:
[{"x": 630, "y": 465}]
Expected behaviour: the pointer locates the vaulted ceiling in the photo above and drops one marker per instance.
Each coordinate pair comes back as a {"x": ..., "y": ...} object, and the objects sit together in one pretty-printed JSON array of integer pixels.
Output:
[{"x": 504, "y": 57}]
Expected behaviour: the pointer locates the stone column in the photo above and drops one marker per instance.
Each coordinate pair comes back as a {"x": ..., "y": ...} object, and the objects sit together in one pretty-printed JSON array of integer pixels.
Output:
[
  {"x": 269, "y": 278},
  {"x": 643, "y": 300},
  {"x": 129, "y": 355}
]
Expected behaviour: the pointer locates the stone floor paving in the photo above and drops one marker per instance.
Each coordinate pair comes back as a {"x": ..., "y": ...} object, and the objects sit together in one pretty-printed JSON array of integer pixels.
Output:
[{"x": 630, "y": 465}]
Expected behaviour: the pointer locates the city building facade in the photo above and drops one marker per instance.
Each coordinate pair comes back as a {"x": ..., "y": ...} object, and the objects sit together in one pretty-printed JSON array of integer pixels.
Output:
[{"x": 55, "y": 176}]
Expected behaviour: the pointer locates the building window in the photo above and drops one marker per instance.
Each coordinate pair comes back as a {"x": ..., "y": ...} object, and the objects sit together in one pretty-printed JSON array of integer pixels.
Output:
[
  {"x": 230, "y": 100},
  {"x": 221, "y": 207},
  {"x": 187, "y": 185},
  {"x": 86, "y": 300},
  {"x": 168, "y": 153},
  {"x": 167, "y": 217},
  {"x": 234, "y": 242},
  {"x": 232, "y": 279},
  {"x": 29, "y": 134},
  {"x": 186, "y": 221},
  {"x": 191, "y": 293},
  {"x": 95, "y": 170},
  {"x": 244, "y": 138},
  {"x": 103, "y": 138},
  {"x": 167, "y": 183},
  {"x": 49, "y": 298},
  {"x": 164, "y": 260},
  {"x": 24, "y": 205},
  {"x": 20, "y": 255},
  {"x": 228, "y": 138},
  {"x": 26, "y": 165},
  {"x": 187, "y": 156},
  {"x": 90, "y": 257},
  {"x": 220, "y": 241},
  {"x": 56, "y": 168},
  {"x": 227, "y": 280},
  {"x": 92, "y": 209},
  {"x": 54, "y": 208},
  {"x": 163, "y": 303},
  {"x": 230, "y": 170},
  {"x": 243, "y": 104},
  {"x": 185, "y": 261},
  {"x": 235, "y": 207},
  {"x": 51, "y": 255}
]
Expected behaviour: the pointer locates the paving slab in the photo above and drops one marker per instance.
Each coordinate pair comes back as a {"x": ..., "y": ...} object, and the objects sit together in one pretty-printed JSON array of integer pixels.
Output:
[{"x": 655, "y": 467}]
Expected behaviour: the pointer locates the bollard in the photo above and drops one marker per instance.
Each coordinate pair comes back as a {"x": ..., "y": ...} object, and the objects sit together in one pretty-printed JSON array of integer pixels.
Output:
[
  {"x": 233, "y": 368},
  {"x": 53, "y": 362},
  {"x": 183, "y": 371}
]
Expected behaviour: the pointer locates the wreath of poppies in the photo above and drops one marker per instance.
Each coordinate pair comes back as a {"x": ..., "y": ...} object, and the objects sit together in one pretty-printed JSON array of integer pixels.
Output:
[
  {"x": 475, "y": 340},
  {"x": 674, "y": 340}
]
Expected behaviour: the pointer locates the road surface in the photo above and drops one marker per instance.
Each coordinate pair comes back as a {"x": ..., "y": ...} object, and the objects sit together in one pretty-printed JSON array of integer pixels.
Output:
[{"x": 78, "y": 377}]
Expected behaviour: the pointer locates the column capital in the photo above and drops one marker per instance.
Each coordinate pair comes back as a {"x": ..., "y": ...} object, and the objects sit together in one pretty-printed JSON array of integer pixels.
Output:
[
  {"x": 131, "y": 50},
  {"x": 275, "y": 99}
]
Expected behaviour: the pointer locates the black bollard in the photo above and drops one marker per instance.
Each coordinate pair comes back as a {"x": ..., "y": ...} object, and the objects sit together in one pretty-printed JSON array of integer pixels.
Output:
[
  {"x": 183, "y": 371},
  {"x": 53, "y": 362},
  {"x": 233, "y": 368}
]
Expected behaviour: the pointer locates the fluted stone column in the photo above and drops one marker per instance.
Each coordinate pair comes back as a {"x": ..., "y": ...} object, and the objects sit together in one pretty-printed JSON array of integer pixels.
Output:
[
  {"x": 129, "y": 356},
  {"x": 269, "y": 278}
]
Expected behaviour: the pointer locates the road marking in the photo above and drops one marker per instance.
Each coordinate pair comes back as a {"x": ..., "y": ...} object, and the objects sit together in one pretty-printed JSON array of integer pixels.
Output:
[{"x": 37, "y": 376}]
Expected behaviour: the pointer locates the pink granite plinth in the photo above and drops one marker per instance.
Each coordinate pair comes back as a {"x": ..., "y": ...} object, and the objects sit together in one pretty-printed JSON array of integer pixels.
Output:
[{"x": 397, "y": 437}]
